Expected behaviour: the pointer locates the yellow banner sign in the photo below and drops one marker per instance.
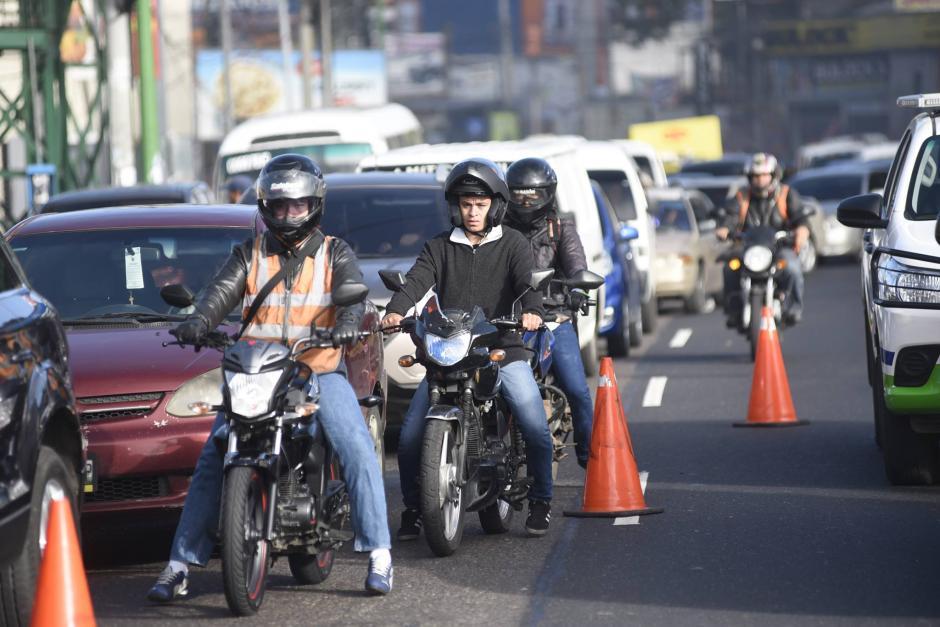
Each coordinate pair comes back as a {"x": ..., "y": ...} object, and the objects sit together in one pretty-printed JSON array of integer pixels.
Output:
[
  {"x": 917, "y": 5},
  {"x": 852, "y": 36},
  {"x": 695, "y": 138}
]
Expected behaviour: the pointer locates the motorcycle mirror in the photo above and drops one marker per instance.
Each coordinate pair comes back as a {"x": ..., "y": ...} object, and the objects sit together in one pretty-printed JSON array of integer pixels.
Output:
[
  {"x": 177, "y": 295},
  {"x": 349, "y": 293},
  {"x": 585, "y": 280},
  {"x": 628, "y": 232},
  {"x": 394, "y": 280},
  {"x": 538, "y": 279}
]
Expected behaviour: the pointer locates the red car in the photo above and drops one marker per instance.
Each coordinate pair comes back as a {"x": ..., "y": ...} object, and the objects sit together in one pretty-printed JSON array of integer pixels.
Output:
[{"x": 103, "y": 269}]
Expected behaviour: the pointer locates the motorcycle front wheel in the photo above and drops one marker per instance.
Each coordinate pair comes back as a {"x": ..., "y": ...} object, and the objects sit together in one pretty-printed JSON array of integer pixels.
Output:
[
  {"x": 441, "y": 496},
  {"x": 244, "y": 549}
]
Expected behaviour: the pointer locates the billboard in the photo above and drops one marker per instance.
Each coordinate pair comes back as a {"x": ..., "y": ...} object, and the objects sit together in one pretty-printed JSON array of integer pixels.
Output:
[
  {"x": 696, "y": 137},
  {"x": 417, "y": 65},
  {"x": 260, "y": 85}
]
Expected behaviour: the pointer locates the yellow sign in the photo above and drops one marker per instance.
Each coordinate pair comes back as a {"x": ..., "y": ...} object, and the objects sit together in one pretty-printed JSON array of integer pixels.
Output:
[
  {"x": 917, "y": 5},
  {"x": 695, "y": 138},
  {"x": 885, "y": 32}
]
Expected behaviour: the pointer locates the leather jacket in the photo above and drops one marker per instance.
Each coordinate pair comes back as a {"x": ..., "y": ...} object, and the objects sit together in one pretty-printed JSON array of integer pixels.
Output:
[{"x": 227, "y": 289}]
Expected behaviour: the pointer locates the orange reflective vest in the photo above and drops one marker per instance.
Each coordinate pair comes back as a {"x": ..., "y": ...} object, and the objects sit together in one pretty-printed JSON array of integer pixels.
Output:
[
  {"x": 287, "y": 315},
  {"x": 745, "y": 201}
]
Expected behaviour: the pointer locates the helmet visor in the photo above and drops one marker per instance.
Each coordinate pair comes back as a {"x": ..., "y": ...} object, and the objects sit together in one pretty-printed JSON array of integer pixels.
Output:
[
  {"x": 529, "y": 198},
  {"x": 290, "y": 184}
]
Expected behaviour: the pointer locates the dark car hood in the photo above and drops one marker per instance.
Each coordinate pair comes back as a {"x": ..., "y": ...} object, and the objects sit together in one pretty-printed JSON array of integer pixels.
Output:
[
  {"x": 378, "y": 293},
  {"x": 105, "y": 362}
]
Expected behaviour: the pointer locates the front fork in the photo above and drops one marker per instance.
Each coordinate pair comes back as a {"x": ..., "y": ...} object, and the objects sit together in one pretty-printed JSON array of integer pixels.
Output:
[
  {"x": 769, "y": 290},
  {"x": 271, "y": 470}
]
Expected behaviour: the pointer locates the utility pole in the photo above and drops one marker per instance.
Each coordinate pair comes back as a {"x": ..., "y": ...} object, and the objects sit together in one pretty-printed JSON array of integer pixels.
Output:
[
  {"x": 149, "y": 128},
  {"x": 326, "y": 51},
  {"x": 287, "y": 52},
  {"x": 306, "y": 53},
  {"x": 505, "y": 52},
  {"x": 226, "y": 28}
]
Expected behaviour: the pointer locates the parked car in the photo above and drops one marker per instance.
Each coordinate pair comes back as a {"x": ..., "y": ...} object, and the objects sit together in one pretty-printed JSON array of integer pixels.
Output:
[
  {"x": 194, "y": 192},
  {"x": 40, "y": 436},
  {"x": 103, "y": 270},
  {"x": 686, "y": 263},
  {"x": 622, "y": 320},
  {"x": 386, "y": 218},
  {"x": 900, "y": 278},
  {"x": 647, "y": 161},
  {"x": 718, "y": 188}
]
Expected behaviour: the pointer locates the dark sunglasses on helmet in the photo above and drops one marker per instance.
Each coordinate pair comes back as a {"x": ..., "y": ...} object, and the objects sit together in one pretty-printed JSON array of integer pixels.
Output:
[{"x": 529, "y": 196}]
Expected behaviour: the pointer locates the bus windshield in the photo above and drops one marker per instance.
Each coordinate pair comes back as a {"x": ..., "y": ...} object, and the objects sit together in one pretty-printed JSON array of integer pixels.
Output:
[{"x": 330, "y": 158}]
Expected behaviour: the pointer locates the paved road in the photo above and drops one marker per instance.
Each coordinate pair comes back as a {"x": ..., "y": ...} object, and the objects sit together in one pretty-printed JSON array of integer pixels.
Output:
[{"x": 788, "y": 526}]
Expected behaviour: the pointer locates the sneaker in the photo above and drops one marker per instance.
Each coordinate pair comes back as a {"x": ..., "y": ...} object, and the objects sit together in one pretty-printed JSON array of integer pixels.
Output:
[
  {"x": 410, "y": 525},
  {"x": 540, "y": 513},
  {"x": 381, "y": 573},
  {"x": 170, "y": 585}
]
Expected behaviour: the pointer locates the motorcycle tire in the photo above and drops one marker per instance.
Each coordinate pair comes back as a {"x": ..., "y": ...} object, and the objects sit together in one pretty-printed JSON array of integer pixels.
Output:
[
  {"x": 311, "y": 569},
  {"x": 244, "y": 550},
  {"x": 496, "y": 518},
  {"x": 441, "y": 499},
  {"x": 757, "y": 303}
]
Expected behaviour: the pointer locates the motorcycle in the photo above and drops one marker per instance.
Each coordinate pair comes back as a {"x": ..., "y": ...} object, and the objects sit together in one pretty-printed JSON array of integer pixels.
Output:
[
  {"x": 757, "y": 260},
  {"x": 283, "y": 493},
  {"x": 472, "y": 451},
  {"x": 541, "y": 343}
]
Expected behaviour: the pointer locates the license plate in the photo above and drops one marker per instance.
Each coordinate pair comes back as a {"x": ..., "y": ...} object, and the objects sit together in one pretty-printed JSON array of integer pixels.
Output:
[{"x": 89, "y": 475}]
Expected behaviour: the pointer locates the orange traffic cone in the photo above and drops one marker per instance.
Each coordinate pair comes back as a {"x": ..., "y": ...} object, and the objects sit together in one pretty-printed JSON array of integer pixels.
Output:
[
  {"x": 62, "y": 596},
  {"x": 771, "y": 404},
  {"x": 611, "y": 483}
]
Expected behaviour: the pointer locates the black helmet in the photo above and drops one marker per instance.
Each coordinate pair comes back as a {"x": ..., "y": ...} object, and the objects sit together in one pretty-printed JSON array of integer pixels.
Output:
[
  {"x": 532, "y": 184},
  {"x": 291, "y": 176},
  {"x": 477, "y": 177}
]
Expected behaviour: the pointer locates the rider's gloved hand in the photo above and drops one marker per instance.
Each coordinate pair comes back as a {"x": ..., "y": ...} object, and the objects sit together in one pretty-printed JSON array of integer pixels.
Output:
[
  {"x": 191, "y": 331},
  {"x": 577, "y": 300},
  {"x": 345, "y": 333}
]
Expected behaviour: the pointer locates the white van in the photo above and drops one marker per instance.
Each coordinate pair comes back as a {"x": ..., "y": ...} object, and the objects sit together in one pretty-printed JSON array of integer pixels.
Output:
[
  {"x": 646, "y": 160},
  {"x": 574, "y": 196},
  {"x": 610, "y": 166},
  {"x": 336, "y": 138}
]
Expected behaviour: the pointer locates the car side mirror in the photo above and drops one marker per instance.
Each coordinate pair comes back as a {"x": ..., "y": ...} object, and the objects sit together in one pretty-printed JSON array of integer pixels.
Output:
[
  {"x": 538, "y": 279},
  {"x": 585, "y": 280},
  {"x": 628, "y": 232},
  {"x": 177, "y": 295},
  {"x": 349, "y": 293},
  {"x": 862, "y": 212},
  {"x": 707, "y": 225},
  {"x": 394, "y": 280}
]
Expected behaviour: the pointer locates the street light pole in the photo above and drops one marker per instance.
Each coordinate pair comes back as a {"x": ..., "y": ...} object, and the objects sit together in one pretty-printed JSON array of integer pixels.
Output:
[
  {"x": 326, "y": 51},
  {"x": 149, "y": 128},
  {"x": 226, "y": 28}
]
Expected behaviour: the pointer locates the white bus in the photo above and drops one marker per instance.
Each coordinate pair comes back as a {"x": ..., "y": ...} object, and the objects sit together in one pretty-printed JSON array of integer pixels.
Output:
[{"x": 336, "y": 138}]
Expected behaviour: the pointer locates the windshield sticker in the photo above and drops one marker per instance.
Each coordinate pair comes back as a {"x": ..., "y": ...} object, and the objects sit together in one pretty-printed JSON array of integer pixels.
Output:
[{"x": 133, "y": 268}]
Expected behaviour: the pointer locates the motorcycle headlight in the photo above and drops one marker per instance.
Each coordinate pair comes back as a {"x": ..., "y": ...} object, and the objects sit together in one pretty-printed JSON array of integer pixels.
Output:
[
  {"x": 902, "y": 283},
  {"x": 206, "y": 388},
  {"x": 447, "y": 351},
  {"x": 251, "y": 394},
  {"x": 758, "y": 258}
]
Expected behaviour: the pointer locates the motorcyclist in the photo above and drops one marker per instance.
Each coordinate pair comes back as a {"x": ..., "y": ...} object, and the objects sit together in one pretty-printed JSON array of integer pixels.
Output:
[
  {"x": 291, "y": 191},
  {"x": 479, "y": 263},
  {"x": 555, "y": 244},
  {"x": 766, "y": 202}
]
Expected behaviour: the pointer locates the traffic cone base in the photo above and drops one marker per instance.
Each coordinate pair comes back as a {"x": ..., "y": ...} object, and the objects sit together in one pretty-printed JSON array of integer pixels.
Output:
[
  {"x": 611, "y": 482},
  {"x": 771, "y": 404}
]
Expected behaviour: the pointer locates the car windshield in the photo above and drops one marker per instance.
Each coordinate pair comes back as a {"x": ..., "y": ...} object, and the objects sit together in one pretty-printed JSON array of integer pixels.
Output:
[
  {"x": 714, "y": 168},
  {"x": 829, "y": 187},
  {"x": 88, "y": 274},
  {"x": 385, "y": 221},
  {"x": 617, "y": 189},
  {"x": 671, "y": 215}
]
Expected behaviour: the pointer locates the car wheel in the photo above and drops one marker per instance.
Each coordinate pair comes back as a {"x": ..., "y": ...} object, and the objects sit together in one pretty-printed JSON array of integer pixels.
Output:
[
  {"x": 636, "y": 332},
  {"x": 910, "y": 458},
  {"x": 808, "y": 256},
  {"x": 618, "y": 339},
  {"x": 697, "y": 301},
  {"x": 589, "y": 357},
  {"x": 54, "y": 478},
  {"x": 650, "y": 313},
  {"x": 376, "y": 428}
]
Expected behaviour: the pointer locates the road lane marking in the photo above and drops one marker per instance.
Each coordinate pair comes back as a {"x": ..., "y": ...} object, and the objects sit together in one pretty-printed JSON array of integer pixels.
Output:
[
  {"x": 680, "y": 338},
  {"x": 633, "y": 520},
  {"x": 653, "y": 397}
]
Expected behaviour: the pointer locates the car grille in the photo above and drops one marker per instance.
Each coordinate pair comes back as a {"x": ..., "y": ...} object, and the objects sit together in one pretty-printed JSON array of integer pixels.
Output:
[
  {"x": 128, "y": 489},
  {"x": 123, "y": 406}
]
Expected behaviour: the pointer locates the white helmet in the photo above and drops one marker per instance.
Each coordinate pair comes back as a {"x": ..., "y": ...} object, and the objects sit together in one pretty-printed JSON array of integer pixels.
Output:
[{"x": 762, "y": 163}]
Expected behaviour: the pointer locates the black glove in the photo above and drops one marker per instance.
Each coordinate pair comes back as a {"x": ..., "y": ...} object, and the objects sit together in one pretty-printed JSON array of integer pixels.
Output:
[
  {"x": 345, "y": 333},
  {"x": 191, "y": 330},
  {"x": 577, "y": 300}
]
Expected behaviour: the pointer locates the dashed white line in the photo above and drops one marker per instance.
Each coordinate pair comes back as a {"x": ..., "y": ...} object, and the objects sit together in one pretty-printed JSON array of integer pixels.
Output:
[
  {"x": 680, "y": 338},
  {"x": 653, "y": 397},
  {"x": 633, "y": 520}
]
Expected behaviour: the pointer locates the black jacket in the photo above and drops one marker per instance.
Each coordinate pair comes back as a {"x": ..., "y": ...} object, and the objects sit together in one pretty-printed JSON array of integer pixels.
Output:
[
  {"x": 764, "y": 211},
  {"x": 492, "y": 275},
  {"x": 227, "y": 288}
]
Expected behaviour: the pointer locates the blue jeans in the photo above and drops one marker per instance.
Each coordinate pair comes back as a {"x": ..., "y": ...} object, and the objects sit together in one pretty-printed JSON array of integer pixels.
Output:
[
  {"x": 518, "y": 387},
  {"x": 342, "y": 421},
  {"x": 569, "y": 371}
]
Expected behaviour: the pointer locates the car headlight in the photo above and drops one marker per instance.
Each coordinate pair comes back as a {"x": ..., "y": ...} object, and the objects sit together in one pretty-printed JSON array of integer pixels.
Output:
[
  {"x": 447, "y": 351},
  {"x": 206, "y": 388},
  {"x": 758, "y": 258},
  {"x": 901, "y": 283},
  {"x": 251, "y": 394}
]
